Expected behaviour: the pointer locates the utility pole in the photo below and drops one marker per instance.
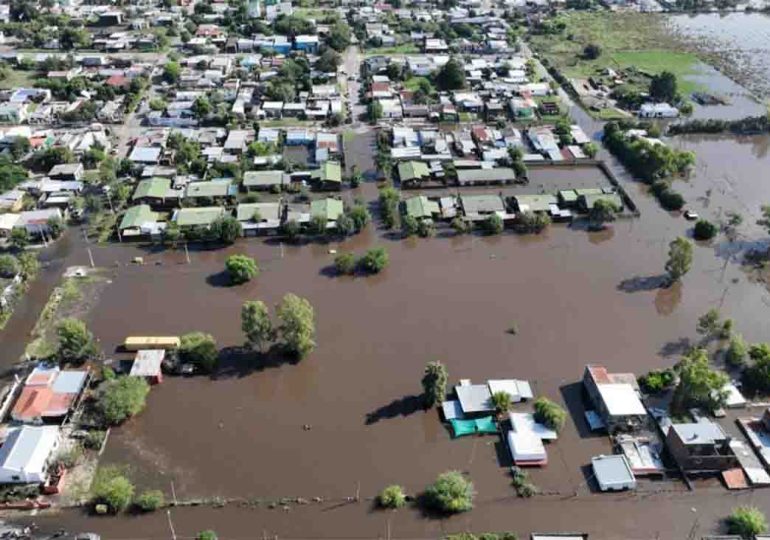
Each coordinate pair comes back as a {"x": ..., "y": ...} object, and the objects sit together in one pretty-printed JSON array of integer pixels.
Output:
[
  {"x": 186, "y": 253},
  {"x": 171, "y": 525},
  {"x": 90, "y": 257}
]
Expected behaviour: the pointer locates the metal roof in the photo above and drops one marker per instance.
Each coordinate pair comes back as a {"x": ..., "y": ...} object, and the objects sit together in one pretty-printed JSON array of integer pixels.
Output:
[{"x": 28, "y": 448}]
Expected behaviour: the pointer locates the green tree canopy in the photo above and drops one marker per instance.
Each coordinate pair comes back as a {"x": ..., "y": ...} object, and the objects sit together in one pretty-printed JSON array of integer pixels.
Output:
[
  {"x": 679, "y": 258},
  {"x": 747, "y": 522},
  {"x": 241, "y": 268},
  {"x": 76, "y": 343},
  {"x": 451, "y": 76},
  {"x": 434, "y": 381},
  {"x": 112, "y": 488},
  {"x": 122, "y": 398},
  {"x": 699, "y": 385},
  {"x": 199, "y": 349},
  {"x": 256, "y": 324},
  {"x": 549, "y": 413},
  {"x": 375, "y": 260},
  {"x": 297, "y": 325},
  {"x": 451, "y": 493},
  {"x": 663, "y": 87}
]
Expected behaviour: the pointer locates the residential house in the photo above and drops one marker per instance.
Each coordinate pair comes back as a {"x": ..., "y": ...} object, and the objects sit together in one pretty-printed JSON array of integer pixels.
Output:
[
  {"x": 197, "y": 217},
  {"x": 256, "y": 218},
  {"x": 328, "y": 177},
  {"x": 66, "y": 171},
  {"x": 211, "y": 191},
  {"x": 700, "y": 447},
  {"x": 36, "y": 222},
  {"x": 421, "y": 207},
  {"x": 615, "y": 397},
  {"x": 413, "y": 172},
  {"x": 264, "y": 180},
  {"x": 156, "y": 192},
  {"x": 140, "y": 220},
  {"x": 48, "y": 395},
  {"x": 480, "y": 206},
  {"x": 329, "y": 209},
  {"x": 484, "y": 176},
  {"x": 27, "y": 453}
]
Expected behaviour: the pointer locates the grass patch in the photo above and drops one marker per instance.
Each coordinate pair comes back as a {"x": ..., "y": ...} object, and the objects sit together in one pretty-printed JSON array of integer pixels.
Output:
[
  {"x": 405, "y": 48},
  {"x": 413, "y": 83},
  {"x": 17, "y": 78}
]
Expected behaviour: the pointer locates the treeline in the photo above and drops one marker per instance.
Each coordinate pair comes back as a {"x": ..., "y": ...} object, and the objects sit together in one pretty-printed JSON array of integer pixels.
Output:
[
  {"x": 745, "y": 126},
  {"x": 650, "y": 162}
]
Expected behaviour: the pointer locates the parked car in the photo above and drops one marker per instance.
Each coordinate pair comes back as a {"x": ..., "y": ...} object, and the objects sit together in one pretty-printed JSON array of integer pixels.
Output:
[{"x": 691, "y": 215}]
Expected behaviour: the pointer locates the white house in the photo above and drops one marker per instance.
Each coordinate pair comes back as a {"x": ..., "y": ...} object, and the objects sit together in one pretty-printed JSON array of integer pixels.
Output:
[
  {"x": 658, "y": 110},
  {"x": 26, "y": 453},
  {"x": 613, "y": 473}
]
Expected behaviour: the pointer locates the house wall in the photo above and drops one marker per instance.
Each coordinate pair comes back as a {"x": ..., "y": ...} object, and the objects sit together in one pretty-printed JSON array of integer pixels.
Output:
[{"x": 700, "y": 457}]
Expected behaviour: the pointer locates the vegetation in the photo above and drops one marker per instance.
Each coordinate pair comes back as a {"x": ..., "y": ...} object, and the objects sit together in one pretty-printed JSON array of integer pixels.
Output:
[
  {"x": 735, "y": 355},
  {"x": 746, "y": 126},
  {"x": 493, "y": 224},
  {"x": 111, "y": 489},
  {"x": 657, "y": 380},
  {"x": 392, "y": 497},
  {"x": 9, "y": 266},
  {"x": 451, "y": 76},
  {"x": 747, "y": 522},
  {"x": 122, "y": 398},
  {"x": 297, "y": 325},
  {"x": 502, "y": 401},
  {"x": 226, "y": 229},
  {"x": 699, "y": 385},
  {"x": 200, "y": 350},
  {"x": 375, "y": 260},
  {"x": 531, "y": 222},
  {"x": 550, "y": 414},
  {"x": 679, "y": 258},
  {"x": 149, "y": 501},
  {"x": 668, "y": 198},
  {"x": 389, "y": 199},
  {"x": 704, "y": 230},
  {"x": 434, "y": 381},
  {"x": 521, "y": 482},
  {"x": 602, "y": 212},
  {"x": 76, "y": 343},
  {"x": 256, "y": 324},
  {"x": 345, "y": 263},
  {"x": 451, "y": 493},
  {"x": 241, "y": 268},
  {"x": 206, "y": 535},
  {"x": 756, "y": 377}
]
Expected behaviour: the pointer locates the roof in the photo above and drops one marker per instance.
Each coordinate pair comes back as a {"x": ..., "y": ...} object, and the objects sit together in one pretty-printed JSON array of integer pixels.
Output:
[
  {"x": 28, "y": 448},
  {"x": 517, "y": 389},
  {"x": 69, "y": 382},
  {"x": 267, "y": 211},
  {"x": 525, "y": 422},
  {"x": 421, "y": 207},
  {"x": 204, "y": 215},
  {"x": 65, "y": 169},
  {"x": 452, "y": 409},
  {"x": 331, "y": 209},
  {"x": 147, "y": 363},
  {"x": 612, "y": 470},
  {"x": 475, "y": 204},
  {"x": 621, "y": 400},
  {"x": 525, "y": 446},
  {"x": 590, "y": 200},
  {"x": 136, "y": 216},
  {"x": 412, "y": 170},
  {"x": 474, "y": 398},
  {"x": 704, "y": 432},
  {"x": 213, "y": 188},
  {"x": 155, "y": 188},
  {"x": 263, "y": 178},
  {"x": 145, "y": 154},
  {"x": 330, "y": 171}
]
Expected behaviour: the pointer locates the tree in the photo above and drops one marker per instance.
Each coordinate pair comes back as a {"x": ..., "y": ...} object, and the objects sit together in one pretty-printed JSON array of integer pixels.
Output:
[
  {"x": 592, "y": 51},
  {"x": 9, "y": 266},
  {"x": 76, "y": 343},
  {"x": 531, "y": 222},
  {"x": 392, "y": 497},
  {"x": 256, "y": 324},
  {"x": 374, "y": 111},
  {"x": 19, "y": 237},
  {"x": 699, "y": 385},
  {"x": 493, "y": 224},
  {"x": 736, "y": 351},
  {"x": 747, "y": 521},
  {"x": 663, "y": 87},
  {"x": 603, "y": 211},
  {"x": 149, "y": 501},
  {"x": 297, "y": 325},
  {"x": 502, "y": 401},
  {"x": 425, "y": 228},
  {"x": 434, "y": 381},
  {"x": 460, "y": 226},
  {"x": 708, "y": 323},
  {"x": 201, "y": 107},
  {"x": 345, "y": 226},
  {"x": 756, "y": 377},
  {"x": 657, "y": 380},
  {"x": 329, "y": 61},
  {"x": 200, "y": 350},
  {"x": 291, "y": 229},
  {"x": 111, "y": 488},
  {"x": 241, "y": 268},
  {"x": 550, "y": 414},
  {"x": 122, "y": 398},
  {"x": 28, "y": 265},
  {"x": 345, "y": 263},
  {"x": 451, "y": 493},
  {"x": 409, "y": 226},
  {"x": 360, "y": 216},
  {"x": 590, "y": 149},
  {"x": 317, "y": 225},
  {"x": 679, "y": 258},
  {"x": 226, "y": 229},
  {"x": 339, "y": 36},
  {"x": 374, "y": 260},
  {"x": 55, "y": 226},
  {"x": 704, "y": 230},
  {"x": 171, "y": 72},
  {"x": 451, "y": 76}
]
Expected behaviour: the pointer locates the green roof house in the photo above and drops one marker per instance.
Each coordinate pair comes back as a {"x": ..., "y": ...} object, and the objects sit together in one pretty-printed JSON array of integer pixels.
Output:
[
  {"x": 413, "y": 172},
  {"x": 587, "y": 202},
  {"x": 331, "y": 209},
  {"x": 535, "y": 203},
  {"x": 135, "y": 218},
  {"x": 215, "y": 189},
  {"x": 153, "y": 191},
  {"x": 196, "y": 217},
  {"x": 421, "y": 207},
  {"x": 329, "y": 176},
  {"x": 263, "y": 180}
]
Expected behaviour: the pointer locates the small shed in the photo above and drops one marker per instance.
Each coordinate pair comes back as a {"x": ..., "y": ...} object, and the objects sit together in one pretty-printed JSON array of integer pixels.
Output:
[
  {"x": 527, "y": 449},
  {"x": 613, "y": 473},
  {"x": 147, "y": 364}
]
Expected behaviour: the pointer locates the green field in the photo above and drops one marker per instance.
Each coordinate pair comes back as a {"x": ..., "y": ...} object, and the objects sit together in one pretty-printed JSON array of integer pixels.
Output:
[
  {"x": 626, "y": 40},
  {"x": 405, "y": 48},
  {"x": 17, "y": 78}
]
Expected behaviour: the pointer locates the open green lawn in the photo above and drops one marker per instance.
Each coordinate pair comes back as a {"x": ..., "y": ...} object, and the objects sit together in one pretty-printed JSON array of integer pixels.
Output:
[
  {"x": 405, "y": 48},
  {"x": 626, "y": 39},
  {"x": 17, "y": 78}
]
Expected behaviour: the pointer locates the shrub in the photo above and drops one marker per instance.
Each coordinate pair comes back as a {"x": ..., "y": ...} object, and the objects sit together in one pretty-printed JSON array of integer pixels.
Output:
[
  {"x": 206, "y": 535},
  {"x": 736, "y": 352},
  {"x": 291, "y": 229},
  {"x": 76, "y": 344},
  {"x": 450, "y": 493},
  {"x": 345, "y": 225},
  {"x": 199, "y": 349},
  {"x": 111, "y": 488},
  {"x": 360, "y": 216},
  {"x": 746, "y": 521},
  {"x": 520, "y": 482},
  {"x": 493, "y": 224},
  {"x": 94, "y": 440},
  {"x": 374, "y": 260},
  {"x": 549, "y": 413},
  {"x": 317, "y": 225},
  {"x": 122, "y": 398},
  {"x": 460, "y": 226},
  {"x": 241, "y": 268},
  {"x": 149, "y": 501},
  {"x": 345, "y": 263},
  {"x": 704, "y": 230},
  {"x": 425, "y": 228},
  {"x": 392, "y": 497},
  {"x": 656, "y": 381},
  {"x": 9, "y": 266},
  {"x": 409, "y": 226},
  {"x": 530, "y": 222},
  {"x": 502, "y": 401}
]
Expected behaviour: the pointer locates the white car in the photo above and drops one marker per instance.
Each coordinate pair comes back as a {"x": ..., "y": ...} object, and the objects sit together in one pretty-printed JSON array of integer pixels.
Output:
[{"x": 690, "y": 215}]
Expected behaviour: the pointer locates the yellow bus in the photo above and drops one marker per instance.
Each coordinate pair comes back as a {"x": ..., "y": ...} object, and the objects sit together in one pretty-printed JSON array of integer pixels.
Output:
[{"x": 136, "y": 343}]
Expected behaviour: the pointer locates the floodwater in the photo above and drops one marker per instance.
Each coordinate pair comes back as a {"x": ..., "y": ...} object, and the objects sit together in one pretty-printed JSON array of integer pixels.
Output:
[{"x": 742, "y": 40}]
